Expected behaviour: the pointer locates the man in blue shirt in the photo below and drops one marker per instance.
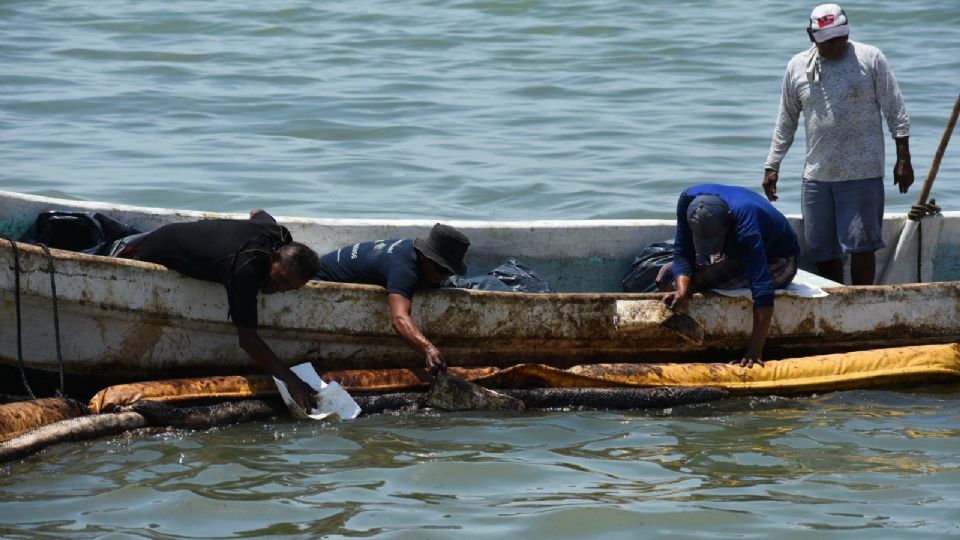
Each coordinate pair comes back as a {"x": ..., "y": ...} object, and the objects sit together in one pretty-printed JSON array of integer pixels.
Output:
[
  {"x": 730, "y": 237},
  {"x": 402, "y": 266}
]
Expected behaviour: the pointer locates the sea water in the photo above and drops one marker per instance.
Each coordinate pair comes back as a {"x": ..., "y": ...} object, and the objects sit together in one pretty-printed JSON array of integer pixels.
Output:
[{"x": 473, "y": 109}]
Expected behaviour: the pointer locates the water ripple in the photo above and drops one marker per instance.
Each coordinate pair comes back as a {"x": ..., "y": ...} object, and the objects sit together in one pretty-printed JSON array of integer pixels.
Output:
[{"x": 474, "y": 96}]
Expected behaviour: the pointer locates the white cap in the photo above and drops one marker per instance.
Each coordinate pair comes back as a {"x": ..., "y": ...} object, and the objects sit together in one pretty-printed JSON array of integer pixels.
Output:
[{"x": 828, "y": 21}]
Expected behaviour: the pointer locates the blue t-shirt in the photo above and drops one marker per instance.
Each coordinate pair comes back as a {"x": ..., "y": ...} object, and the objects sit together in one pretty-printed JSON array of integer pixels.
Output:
[
  {"x": 392, "y": 264},
  {"x": 760, "y": 233}
]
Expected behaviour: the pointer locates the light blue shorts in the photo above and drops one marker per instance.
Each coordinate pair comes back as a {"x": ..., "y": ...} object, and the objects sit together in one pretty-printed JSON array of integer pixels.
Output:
[{"x": 842, "y": 217}]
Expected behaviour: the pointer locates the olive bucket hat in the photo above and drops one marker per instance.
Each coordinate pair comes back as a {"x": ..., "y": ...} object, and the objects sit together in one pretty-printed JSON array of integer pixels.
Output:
[{"x": 445, "y": 246}]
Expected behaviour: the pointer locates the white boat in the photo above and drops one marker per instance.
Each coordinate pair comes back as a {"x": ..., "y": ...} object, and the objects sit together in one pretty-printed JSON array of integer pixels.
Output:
[{"x": 128, "y": 320}]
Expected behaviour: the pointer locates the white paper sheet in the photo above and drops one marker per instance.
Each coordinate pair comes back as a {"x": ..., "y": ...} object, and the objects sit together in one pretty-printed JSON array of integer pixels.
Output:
[
  {"x": 332, "y": 399},
  {"x": 804, "y": 285}
]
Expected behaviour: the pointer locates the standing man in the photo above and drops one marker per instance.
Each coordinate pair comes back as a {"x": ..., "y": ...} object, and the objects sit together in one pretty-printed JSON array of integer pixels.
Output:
[
  {"x": 248, "y": 257},
  {"x": 402, "y": 266},
  {"x": 729, "y": 237},
  {"x": 842, "y": 87}
]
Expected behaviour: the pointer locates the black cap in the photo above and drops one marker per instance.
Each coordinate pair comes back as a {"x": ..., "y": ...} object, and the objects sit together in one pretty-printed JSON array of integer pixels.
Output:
[
  {"x": 445, "y": 246},
  {"x": 708, "y": 216}
]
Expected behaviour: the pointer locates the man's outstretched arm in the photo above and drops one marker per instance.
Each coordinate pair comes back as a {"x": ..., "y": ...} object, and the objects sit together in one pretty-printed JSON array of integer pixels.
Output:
[
  {"x": 762, "y": 317},
  {"x": 263, "y": 356},
  {"x": 402, "y": 321}
]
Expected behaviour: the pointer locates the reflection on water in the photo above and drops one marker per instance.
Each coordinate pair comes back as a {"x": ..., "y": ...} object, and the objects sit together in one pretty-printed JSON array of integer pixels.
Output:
[{"x": 852, "y": 461}]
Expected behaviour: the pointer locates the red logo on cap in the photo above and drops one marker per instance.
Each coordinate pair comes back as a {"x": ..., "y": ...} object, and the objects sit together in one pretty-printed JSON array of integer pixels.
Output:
[{"x": 826, "y": 20}]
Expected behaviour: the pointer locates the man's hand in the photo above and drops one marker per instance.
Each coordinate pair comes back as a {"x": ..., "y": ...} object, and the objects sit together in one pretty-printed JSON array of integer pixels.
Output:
[
  {"x": 762, "y": 318},
  {"x": 411, "y": 334},
  {"x": 902, "y": 169},
  {"x": 676, "y": 301},
  {"x": 301, "y": 393},
  {"x": 435, "y": 361},
  {"x": 680, "y": 299},
  {"x": 253, "y": 344},
  {"x": 770, "y": 178},
  {"x": 750, "y": 357},
  {"x": 903, "y": 175}
]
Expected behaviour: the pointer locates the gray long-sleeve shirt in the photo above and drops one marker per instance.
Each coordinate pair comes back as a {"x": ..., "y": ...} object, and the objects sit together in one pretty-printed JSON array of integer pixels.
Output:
[{"x": 841, "y": 113}]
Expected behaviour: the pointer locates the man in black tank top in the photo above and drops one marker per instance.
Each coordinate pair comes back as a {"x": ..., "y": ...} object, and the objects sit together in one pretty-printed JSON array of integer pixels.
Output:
[{"x": 248, "y": 257}]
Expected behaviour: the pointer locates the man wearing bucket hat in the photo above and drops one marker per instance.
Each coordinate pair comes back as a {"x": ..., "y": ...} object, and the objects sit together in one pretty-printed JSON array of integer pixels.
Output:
[
  {"x": 842, "y": 87},
  {"x": 402, "y": 265},
  {"x": 729, "y": 237}
]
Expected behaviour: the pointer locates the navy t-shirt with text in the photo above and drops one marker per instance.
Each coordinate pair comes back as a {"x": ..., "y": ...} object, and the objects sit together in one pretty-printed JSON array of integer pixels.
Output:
[{"x": 392, "y": 264}]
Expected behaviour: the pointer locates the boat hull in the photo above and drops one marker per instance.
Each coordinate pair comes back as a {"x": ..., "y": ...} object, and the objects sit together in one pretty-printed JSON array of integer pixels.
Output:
[
  {"x": 134, "y": 320},
  {"x": 128, "y": 320}
]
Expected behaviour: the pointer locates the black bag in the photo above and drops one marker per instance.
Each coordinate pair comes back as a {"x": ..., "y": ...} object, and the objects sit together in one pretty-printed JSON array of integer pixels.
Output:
[
  {"x": 510, "y": 276},
  {"x": 86, "y": 232},
  {"x": 642, "y": 275}
]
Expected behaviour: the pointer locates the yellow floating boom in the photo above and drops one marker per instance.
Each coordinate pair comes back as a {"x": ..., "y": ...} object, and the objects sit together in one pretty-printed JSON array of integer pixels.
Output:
[{"x": 862, "y": 369}]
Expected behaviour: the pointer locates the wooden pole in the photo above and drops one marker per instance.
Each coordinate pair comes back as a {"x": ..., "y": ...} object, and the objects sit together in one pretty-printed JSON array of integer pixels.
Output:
[
  {"x": 935, "y": 166},
  {"x": 918, "y": 210}
]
